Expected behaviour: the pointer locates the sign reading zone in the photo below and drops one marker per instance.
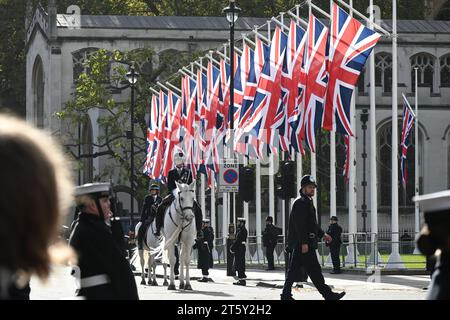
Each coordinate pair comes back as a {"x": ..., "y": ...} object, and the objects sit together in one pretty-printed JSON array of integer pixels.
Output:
[{"x": 229, "y": 176}]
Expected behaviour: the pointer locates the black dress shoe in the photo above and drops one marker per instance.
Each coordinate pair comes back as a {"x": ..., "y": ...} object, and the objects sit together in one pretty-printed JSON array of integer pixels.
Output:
[
  {"x": 335, "y": 272},
  {"x": 335, "y": 296},
  {"x": 240, "y": 283},
  {"x": 286, "y": 297},
  {"x": 203, "y": 279}
]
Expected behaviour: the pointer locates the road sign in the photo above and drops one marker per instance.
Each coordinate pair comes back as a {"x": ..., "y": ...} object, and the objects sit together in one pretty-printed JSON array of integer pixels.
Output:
[{"x": 229, "y": 176}]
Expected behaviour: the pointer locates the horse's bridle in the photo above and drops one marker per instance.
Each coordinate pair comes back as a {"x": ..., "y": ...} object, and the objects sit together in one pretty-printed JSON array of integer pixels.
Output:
[{"x": 182, "y": 215}]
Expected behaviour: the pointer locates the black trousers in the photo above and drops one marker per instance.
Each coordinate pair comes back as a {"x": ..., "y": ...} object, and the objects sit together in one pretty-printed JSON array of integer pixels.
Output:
[
  {"x": 312, "y": 267},
  {"x": 239, "y": 263},
  {"x": 205, "y": 272},
  {"x": 334, "y": 252},
  {"x": 269, "y": 255}
]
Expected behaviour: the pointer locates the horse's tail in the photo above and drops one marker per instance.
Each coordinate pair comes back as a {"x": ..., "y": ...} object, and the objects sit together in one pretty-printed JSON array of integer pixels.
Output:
[{"x": 157, "y": 252}]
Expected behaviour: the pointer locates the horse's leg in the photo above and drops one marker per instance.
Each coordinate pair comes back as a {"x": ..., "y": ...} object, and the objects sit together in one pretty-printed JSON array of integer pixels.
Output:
[
  {"x": 154, "y": 283},
  {"x": 181, "y": 258},
  {"x": 171, "y": 253},
  {"x": 142, "y": 260},
  {"x": 165, "y": 283},
  {"x": 187, "y": 260}
]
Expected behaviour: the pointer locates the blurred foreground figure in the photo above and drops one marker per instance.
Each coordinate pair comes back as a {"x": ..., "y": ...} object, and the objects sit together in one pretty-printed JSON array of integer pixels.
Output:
[
  {"x": 35, "y": 190},
  {"x": 103, "y": 273},
  {"x": 434, "y": 240}
]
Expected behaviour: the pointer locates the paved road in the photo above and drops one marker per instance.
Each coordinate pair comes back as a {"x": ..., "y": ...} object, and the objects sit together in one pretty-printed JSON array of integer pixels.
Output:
[{"x": 260, "y": 285}]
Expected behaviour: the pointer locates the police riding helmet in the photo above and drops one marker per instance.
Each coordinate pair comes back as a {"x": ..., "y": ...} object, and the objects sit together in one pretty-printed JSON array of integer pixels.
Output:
[
  {"x": 269, "y": 219},
  {"x": 334, "y": 218},
  {"x": 154, "y": 187},
  {"x": 308, "y": 180},
  {"x": 178, "y": 158}
]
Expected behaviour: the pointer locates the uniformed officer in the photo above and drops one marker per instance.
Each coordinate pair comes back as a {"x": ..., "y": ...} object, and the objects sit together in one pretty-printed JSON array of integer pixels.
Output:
[
  {"x": 434, "y": 240},
  {"x": 149, "y": 207},
  {"x": 102, "y": 271},
  {"x": 270, "y": 238},
  {"x": 204, "y": 244},
  {"x": 303, "y": 234},
  {"x": 238, "y": 248},
  {"x": 335, "y": 231},
  {"x": 181, "y": 175}
]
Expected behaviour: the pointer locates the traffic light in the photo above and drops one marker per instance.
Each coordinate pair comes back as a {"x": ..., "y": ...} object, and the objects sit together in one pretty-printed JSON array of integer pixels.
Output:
[
  {"x": 247, "y": 184},
  {"x": 286, "y": 180}
]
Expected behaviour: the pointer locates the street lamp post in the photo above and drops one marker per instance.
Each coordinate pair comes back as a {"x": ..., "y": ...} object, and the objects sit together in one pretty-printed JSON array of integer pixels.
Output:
[
  {"x": 231, "y": 13},
  {"x": 132, "y": 76},
  {"x": 364, "y": 119}
]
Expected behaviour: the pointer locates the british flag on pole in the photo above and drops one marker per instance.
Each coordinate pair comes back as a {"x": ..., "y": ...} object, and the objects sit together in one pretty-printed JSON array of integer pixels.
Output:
[
  {"x": 189, "y": 101},
  {"x": 408, "y": 120},
  {"x": 350, "y": 45},
  {"x": 265, "y": 117},
  {"x": 151, "y": 136},
  {"x": 315, "y": 81},
  {"x": 290, "y": 79}
]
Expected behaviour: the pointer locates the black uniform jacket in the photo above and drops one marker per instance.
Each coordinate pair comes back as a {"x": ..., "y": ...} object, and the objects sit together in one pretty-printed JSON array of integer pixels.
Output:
[
  {"x": 98, "y": 254},
  {"x": 440, "y": 283},
  {"x": 147, "y": 206},
  {"x": 185, "y": 177},
  {"x": 335, "y": 231},
  {"x": 303, "y": 227},
  {"x": 239, "y": 243},
  {"x": 204, "y": 245},
  {"x": 270, "y": 235}
]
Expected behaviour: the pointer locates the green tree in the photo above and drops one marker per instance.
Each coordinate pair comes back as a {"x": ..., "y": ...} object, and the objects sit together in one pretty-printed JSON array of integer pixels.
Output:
[{"x": 95, "y": 89}]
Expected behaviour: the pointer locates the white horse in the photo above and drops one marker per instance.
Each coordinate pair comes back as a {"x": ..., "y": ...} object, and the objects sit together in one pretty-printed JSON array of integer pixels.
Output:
[
  {"x": 179, "y": 226},
  {"x": 153, "y": 245}
]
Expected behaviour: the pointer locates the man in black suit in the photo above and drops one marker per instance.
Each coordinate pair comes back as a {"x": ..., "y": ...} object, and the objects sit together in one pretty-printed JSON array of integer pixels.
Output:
[
  {"x": 179, "y": 174},
  {"x": 151, "y": 202},
  {"x": 335, "y": 231}
]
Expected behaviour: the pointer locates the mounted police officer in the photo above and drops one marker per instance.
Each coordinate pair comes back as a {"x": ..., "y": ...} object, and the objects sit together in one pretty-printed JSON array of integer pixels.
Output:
[
  {"x": 303, "y": 234},
  {"x": 204, "y": 244},
  {"x": 181, "y": 175},
  {"x": 151, "y": 203},
  {"x": 270, "y": 238},
  {"x": 238, "y": 248},
  {"x": 335, "y": 231},
  {"x": 102, "y": 271},
  {"x": 434, "y": 240}
]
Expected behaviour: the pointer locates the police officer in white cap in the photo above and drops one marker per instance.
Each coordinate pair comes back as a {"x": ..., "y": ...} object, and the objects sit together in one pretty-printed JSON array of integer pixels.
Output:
[
  {"x": 238, "y": 248},
  {"x": 434, "y": 240},
  {"x": 102, "y": 271}
]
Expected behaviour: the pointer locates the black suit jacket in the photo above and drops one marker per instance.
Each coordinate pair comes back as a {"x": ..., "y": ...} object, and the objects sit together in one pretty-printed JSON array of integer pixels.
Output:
[
  {"x": 147, "y": 206},
  {"x": 184, "y": 177},
  {"x": 303, "y": 223}
]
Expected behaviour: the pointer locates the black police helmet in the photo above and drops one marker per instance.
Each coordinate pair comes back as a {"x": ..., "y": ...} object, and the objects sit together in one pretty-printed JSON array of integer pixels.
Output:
[{"x": 308, "y": 180}]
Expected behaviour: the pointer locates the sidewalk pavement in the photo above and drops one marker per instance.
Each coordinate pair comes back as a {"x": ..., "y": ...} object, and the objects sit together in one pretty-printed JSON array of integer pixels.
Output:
[{"x": 261, "y": 285}]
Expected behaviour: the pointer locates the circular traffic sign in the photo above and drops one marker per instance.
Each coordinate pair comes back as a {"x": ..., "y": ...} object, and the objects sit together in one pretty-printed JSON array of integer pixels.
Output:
[{"x": 230, "y": 176}]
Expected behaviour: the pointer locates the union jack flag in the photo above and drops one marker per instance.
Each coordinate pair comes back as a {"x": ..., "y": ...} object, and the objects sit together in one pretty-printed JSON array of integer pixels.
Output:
[
  {"x": 156, "y": 170},
  {"x": 189, "y": 102},
  {"x": 171, "y": 132},
  {"x": 290, "y": 79},
  {"x": 314, "y": 81},
  {"x": 266, "y": 115},
  {"x": 408, "y": 120},
  {"x": 255, "y": 64},
  {"x": 151, "y": 136},
  {"x": 350, "y": 45}
]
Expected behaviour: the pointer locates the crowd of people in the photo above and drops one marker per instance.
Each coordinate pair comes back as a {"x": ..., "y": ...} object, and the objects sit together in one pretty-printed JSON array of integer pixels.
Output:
[{"x": 37, "y": 191}]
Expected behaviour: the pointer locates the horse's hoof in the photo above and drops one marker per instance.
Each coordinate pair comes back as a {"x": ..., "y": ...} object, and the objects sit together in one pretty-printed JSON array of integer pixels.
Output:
[
  {"x": 171, "y": 287},
  {"x": 143, "y": 281},
  {"x": 188, "y": 287},
  {"x": 165, "y": 283},
  {"x": 154, "y": 283},
  {"x": 181, "y": 286}
]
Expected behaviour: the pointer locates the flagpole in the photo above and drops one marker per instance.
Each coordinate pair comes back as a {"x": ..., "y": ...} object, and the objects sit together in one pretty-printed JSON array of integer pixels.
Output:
[
  {"x": 395, "y": 261},
  {"x": 416, "y": 162},
  {"x": 271, "y": 161},
  {"x": 258, "y": 208},
  {"x": 333, "y": 209},
  {"x": 374, "y": 255},
  {"x": 352, "y": 251}
]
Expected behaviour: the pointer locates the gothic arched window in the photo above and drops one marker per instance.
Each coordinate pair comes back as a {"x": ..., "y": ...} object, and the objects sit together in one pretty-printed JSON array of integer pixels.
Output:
[
  {"x": 79, "y": 59},
  {"x": 38, "y": 92},
  {"x": 444, "y": 64},
  {"x": 383, "y": 71},
  {"x": 384, "y": 172},
  {"x": 425, "y": 64}
]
